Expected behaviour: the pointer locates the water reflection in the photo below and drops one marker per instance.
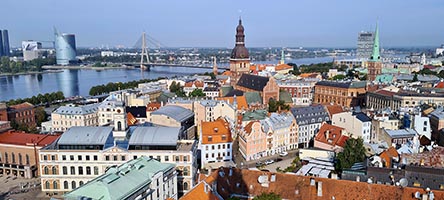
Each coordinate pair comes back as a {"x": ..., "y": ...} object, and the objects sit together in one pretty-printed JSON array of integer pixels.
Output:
[{"x": 68, "y": 82}]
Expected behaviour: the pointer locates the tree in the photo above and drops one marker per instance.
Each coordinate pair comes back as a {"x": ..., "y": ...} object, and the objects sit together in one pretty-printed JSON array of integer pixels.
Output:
[
  {"x": 339, "y": 77},
  {"x": 415, "y": 78},
  {"x": 40, "y": 115},
  {"x": 353, "y": 152},
  {"x": 197, "y": 93},
  {"x": 272, "y": 105},
  {"x": 268, "y": 196}
]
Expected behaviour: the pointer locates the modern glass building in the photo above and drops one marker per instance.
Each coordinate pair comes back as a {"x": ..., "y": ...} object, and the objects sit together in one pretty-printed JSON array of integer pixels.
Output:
[
  {"x": 1, "y": 44},
  {"x": 365, "y": 45},
  {"x": 65, "y": 45},
  {"x": 5, "y": 43}
]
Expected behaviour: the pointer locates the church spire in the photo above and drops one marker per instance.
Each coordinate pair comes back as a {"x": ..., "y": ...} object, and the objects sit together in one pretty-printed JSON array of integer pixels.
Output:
[
  {"x": 375, "y": 55},
  {"x": 282, "y": 61}
]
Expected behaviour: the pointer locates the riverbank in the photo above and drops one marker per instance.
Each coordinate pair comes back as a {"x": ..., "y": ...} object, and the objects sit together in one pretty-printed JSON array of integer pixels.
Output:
[
  {"x": 32, "y": 73},
  {"x": 85, "y": 67}
]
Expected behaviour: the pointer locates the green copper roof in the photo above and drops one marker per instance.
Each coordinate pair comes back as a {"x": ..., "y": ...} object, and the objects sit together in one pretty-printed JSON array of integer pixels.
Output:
[
  {"x": 122, "y": 181},
  {"x": 254, "y": 115},
  {"x": 375, "y": 55},
  {"x": 253, "y": 97},
  {"x": 282, "y": 56},
  {"x": 285, "y": 96}
]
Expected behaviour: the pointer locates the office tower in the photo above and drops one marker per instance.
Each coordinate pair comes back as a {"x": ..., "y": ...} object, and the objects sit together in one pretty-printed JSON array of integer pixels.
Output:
[
  {"x": 365, "y": 45},
  {"x": 1, "y": 44},
  {"x": 5, "y": 43},
  {"x": 65, "y": 45}
]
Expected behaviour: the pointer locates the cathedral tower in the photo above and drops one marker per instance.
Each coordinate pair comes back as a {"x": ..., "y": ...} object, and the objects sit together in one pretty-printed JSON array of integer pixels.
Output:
[{"x": 240, "y": 58}]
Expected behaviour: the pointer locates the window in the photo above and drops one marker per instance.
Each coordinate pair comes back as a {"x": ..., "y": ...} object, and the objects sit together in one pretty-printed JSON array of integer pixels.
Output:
[
  {"x": 158, "y": 158},
  {"x": 228, "y": 153},
  {"x": 224, "y": 137},
  {"x": 223, "y": 146},
  {"x": 228, "y": 146},
  {"x": 218, "y": 146},
  {"x": 54, "y": 170},
  {"x": 71, "y": 157},
  {"x": 54, "y": 185},
  {"x": 185, "y": 186},
  {"x": 80, "y": 183},
  {"x": 88, "y": 170},
  {"x": 79, "y": 157},
  {"x": 47, "y": 185},
  {"x": 95, "y": 158},
  {"x": 45, "y": 170},
  {"x": 114, "y": 157},
  {"x": 65, "y": 185},
  {"x": 20, "y": 159},
  {"x": 27, "y": 159},
  {"x": 134, "y": 157},
  {"x": 210, "y": 138},
  {"x": 63, "y": 157},
  {"x": 73, "y": 170},
  {"x": 177, "y": 158},
  {"x": 86, "y": 157},
  {"x": 65, "y": 170},
  {"x": 107, "y": 158},
  {"x": 185, "y": 158},
  {"x": 73, "y": 185},
  {"x": 167, "y": 158},
  {"x": 6, "y": 157},
  {"x": 53, "y": 157},
  {"x": 212, "y": 147},
  {"x": 206, "y": 147},
  {"x": 80, "y": 170},
  {"x": 206, "y": 155},
  {"x": 186, "y": 171},
  {"x": 96, "y": 170}
]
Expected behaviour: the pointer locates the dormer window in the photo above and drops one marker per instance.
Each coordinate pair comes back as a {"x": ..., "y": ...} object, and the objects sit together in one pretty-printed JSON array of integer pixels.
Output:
[
  {"x": 224, "y": 137},
  {"x": 210, "y": 138}
]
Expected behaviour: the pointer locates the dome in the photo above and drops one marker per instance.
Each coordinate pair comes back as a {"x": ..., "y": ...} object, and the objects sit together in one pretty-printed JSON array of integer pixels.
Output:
[{"x": 239, "y": 52}]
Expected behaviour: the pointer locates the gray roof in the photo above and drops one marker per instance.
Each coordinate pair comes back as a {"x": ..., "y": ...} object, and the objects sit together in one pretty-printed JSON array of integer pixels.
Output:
[
  {"x": 85, "y": 135},
  {"x": 277, "y": 121},
  {"x": 310, "y": 114},
  {"x": 77, "y": 110},
  {"x": 438, "y": 113},
  {"x": 158, "y": 135},
  {"x": 176, "y": 112},
  {"x": 343, "y": 84},
  {"x": 401, "y": 133}
]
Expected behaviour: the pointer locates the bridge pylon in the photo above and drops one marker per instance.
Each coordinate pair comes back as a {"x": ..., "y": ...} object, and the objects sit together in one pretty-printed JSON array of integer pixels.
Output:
[{"x": 143, "y": 65}]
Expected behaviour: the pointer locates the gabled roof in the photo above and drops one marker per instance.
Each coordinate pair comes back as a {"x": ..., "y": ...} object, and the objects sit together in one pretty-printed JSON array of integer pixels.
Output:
[
  {"x": 21, "y": 106},
  {"x": 178, "y": 113},
  {"x": 155, "y": 135},
  {"x": 86, "y": 135},
  {"x": 20, "y": 138},
  {"x": 334, "y": 109},
  {"x": 332, "y": 135},
  {"x": 253, "y": 82},
  {"x": 310, "y": 114},
  {"x": 216, "y": 130},
  {"x": 120, "y": 182}
]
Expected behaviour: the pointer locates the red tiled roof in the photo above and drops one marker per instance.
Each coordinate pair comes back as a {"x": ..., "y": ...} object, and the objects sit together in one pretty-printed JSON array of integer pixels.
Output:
[
  {"x": 288, "y": 186},
  {"x": 26, "y": 139},
  {"x": 283, "y": 67},
  {"x": 216, "y": 130},
  {"x": 332, "y": 135},
  {"x": 440, "y": 85},
  {"x": 153, "y": 106},
  {"x": 198, "y": 84},
  {"x": 334, "y": 109},
  {"x": 25, "y": 105},
  {"x": 388, "y": 155}
]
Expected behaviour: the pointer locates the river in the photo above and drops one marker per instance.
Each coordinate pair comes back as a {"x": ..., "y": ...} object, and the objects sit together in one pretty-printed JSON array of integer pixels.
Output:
[{"x": 74, "y": 82}]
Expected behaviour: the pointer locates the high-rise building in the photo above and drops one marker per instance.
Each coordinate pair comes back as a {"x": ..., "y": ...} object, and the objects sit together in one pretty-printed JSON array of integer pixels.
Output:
[
  {"x": 1, "y": 44},
  {"x": 65, "y": 45},
  {"x": 240, "y": 58},
  {"x": 374, "y": 64},
  {"x": 5, "y": 42},
  {"x": 365, "y": 45}
]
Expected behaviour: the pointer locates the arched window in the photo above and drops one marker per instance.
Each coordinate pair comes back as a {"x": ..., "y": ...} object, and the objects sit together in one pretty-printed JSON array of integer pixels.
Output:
[
  {"x": 73, "y": 170},
  {"x": 54, "y": 185},
  {"x": 88, "y": 170},
  {"x": 119, "y": 126},
  {"x": 185, "y": 186},
  {"x": 65, "y": 185},
  {"x": 73, "y": 185},
  {"x": 45, "y": 170},
  {"x": 47, "y": 186},
  {"x": 27, "y": 159},
  {"x": 20, "y": 159},
  {"x": 65, "y": 170},
  {"x": 54, "y": 170},
  {"x": 80, "y": 183},
  {"x": 13, "y": 157},
  {"x": 80, "y": 170},
  {"x": 6, "y": 157},
  {"x": 96, "y": 170}
]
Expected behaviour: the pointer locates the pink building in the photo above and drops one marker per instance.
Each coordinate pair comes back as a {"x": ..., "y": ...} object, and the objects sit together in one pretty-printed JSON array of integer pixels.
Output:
[{"x": 252, "y": 141}]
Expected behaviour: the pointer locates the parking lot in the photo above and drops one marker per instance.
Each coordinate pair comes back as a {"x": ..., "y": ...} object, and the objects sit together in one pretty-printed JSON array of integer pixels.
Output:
[{"x": 281, "y": 162}]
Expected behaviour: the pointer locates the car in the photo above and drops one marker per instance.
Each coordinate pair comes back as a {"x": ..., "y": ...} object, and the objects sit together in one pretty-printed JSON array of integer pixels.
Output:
[
  {"x": 283, "y": 154},
  {"x": 259, "y": 164},
  {"x": 269, "y": 161}
]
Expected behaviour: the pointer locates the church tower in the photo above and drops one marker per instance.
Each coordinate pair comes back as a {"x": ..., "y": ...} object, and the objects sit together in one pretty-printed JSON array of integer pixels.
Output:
[
  {"x": 282, "y": 61},
  {"x": 214, "y": 66},
  {"x": 374, "y": 64},
  {"x": 240, "y": 58}
]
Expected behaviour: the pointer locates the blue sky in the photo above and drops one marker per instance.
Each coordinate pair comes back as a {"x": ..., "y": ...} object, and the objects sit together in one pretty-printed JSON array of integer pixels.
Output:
[{"x": 211, "y": 23}]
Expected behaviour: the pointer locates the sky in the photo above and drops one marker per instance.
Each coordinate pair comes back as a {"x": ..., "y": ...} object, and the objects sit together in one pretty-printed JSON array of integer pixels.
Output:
[{"x": 212, "y": 23}]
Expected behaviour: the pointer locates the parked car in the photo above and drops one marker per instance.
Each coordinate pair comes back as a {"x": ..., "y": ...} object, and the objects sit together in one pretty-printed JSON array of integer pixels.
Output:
[
  {"x": 283, "y": 154},
  {"x": 259, "y": 164},
  {"x": 269, "y": 161}
]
